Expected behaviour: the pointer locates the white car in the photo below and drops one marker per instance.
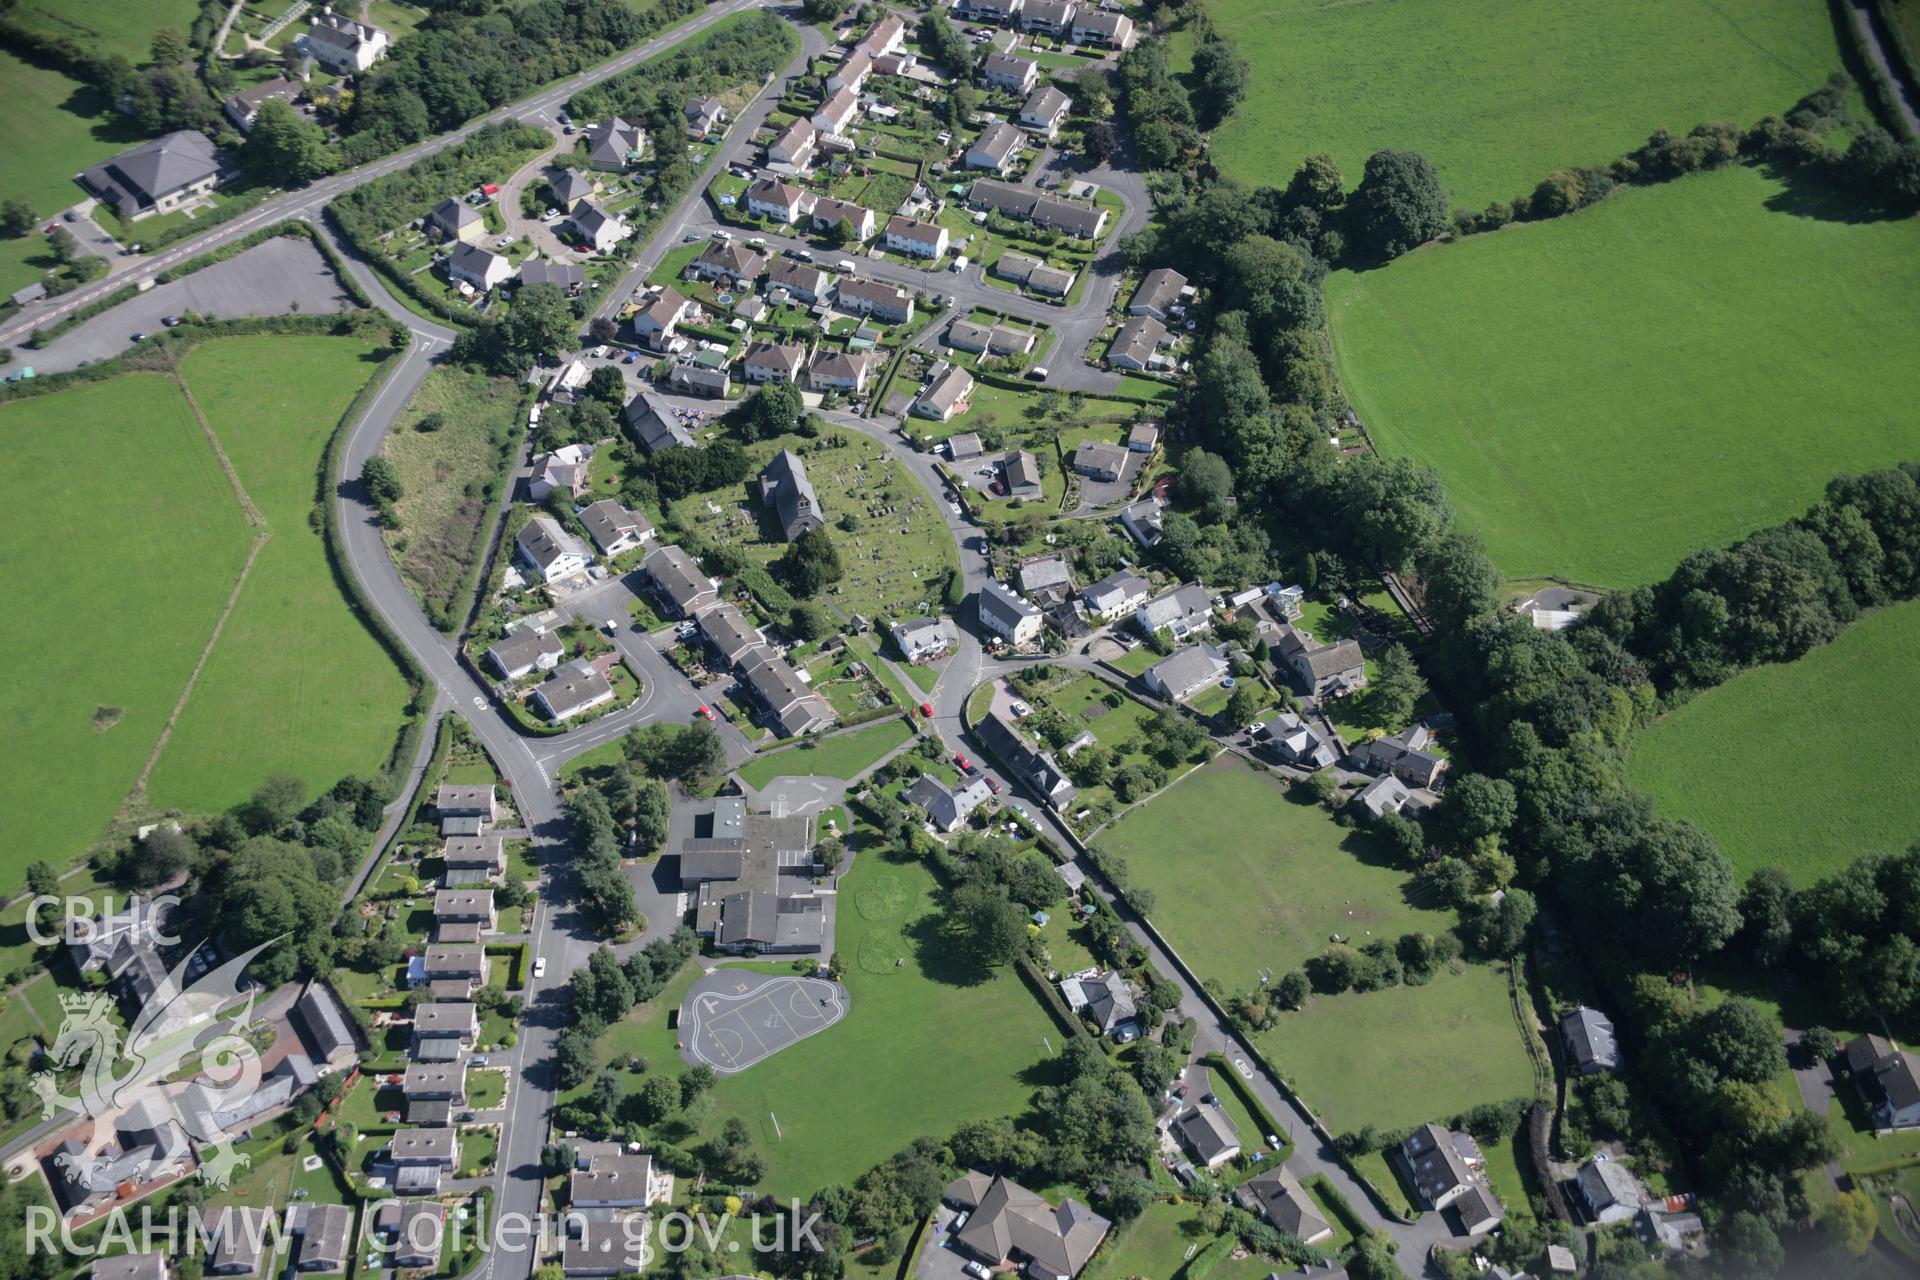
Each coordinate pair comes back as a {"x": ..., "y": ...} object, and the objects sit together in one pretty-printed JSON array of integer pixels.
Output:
[{"x": 540, "y": 967}]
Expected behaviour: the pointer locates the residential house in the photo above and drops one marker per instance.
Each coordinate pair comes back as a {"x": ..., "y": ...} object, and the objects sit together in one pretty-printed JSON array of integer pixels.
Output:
[
  {"x": 980, "y": 339},
  {"x": 1207, "y": 1133},
  {"x": 598, "y": 1247},
  {"x": 1027, "y": 764},
  {"x": 874, "y": 298},
  {"x": 829, "y": 214},
  {"x": 1020, "y": 470},
  {"x": 343, "y": 46},
  {"x": 964, "y": 445},
  {"x": 1101, "y": 29},
  {"x": 1183, "y": 610},
  {"x": 457, "y": 221},
  {"x": 567, "y": 469},
  {"x": 459, "y": 963},
  {"x": 552, "y": 553},
  {"x": 843, "y": 371},
  {"x": 614, "y": 144},
  {"x": 465, "y": 810},
  {"x": 455, "y": 1020},
  {"x": 1405, "y": 755},
  {"x": 568, "y": 277},
  {"x": 1438, "y": 1165},
  {"x": 677, "y": 580},
  {"x": 484, "y": 269},
  {"x": 786, "y": 491},
  {"x": 525, "y": 652},
  {"x": 1888, "y": 1078},
  {"x": 1143, "y": 437},
  {"x": 465, "y": 906},
  {"x": 624, "y": 1181},
  {"x": 1034, "y": 274},
  {"x": 802, "y": 281},
  {"x": 768, "y": 198},
  {"x": 1104, "y": 999},
  {"x": 1279, "y": 1196},
  {"x": 574, "y": 689},
  {"x": 1674, "y": 1232},
  {"x": 655, "y": 322},
  {"x": 887, "y": 36},
  {"x": 441, "y": 1081},
  {"x": 1479, "y": 1210},
  {"x": 728, "y": 634},
  {"x": 921, "y": 239},
  {"x": 244, "y": 107},
  {"x": 1186, "y": 672},
  {"x": 1045, "y": 110},
  {"x": 1608, "y": 1191},
  {"x": 1047, "y": 212},
  {"x": 130, "y": 1266},
  {"x": 773, "y": 362},
  {"x": 614, "y": 528},
  {"x": 158, "y": 176},
  {"x": 992, "y": 11},
  {"x": 851, "y": 72},
  {"x": 1055, "y": 17},
  {"x": 323, "y": 1028},
  {"x": 995, "y": 149},
  {"x": 924, "y": 640},
  {"x": 598, "y": 228},
  {"x": 793, "y": 146},
  {"x": 1159, "y": 294},
  {"x": 1045, "y": 579},
  {"x": 1384, "y": 795},
  {"x": 1004, "y": 71},
  {"x": 417, "y": 1159},
  {"x": 947, "y": 393},
  {"x": 571, "y": 186},
  {"x": 240, "y": 1237},
  {"x": 1137, "y": 344},
  {"x": 947, "y": 807},
  {"x": 1006, "y": 615},
  {"x": 414, "y": 1232},
  {"x": 696, "y": 380},
  {"x": 1323, "y": 670},
  {"x": 1100, "y": 460},
  {"x": 1116, "y": 595},
  {"x": 791, "y": 707},
  {"x": 1589, "y": 1040},
  {"x": 1010, "y": 1227},
  {"x": 704, "y": 116},
  {"x": 1295, "y": 742},
  {"x": 655, "y": 424},
  {"x": 837, "y": 112}
]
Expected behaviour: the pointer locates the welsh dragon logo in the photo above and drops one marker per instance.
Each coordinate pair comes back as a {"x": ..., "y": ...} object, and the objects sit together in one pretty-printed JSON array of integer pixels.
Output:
[{"x": 182, "y": 1026}]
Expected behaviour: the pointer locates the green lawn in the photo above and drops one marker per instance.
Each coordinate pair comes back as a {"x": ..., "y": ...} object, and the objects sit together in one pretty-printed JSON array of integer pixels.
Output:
[
  {"x": 837, "y": 757},
  {"x": 924, "y": 1046},
  {"x": 1800, "y": 798},
  {"x": 1246, "y": 878},
  {"x": 297, "y": 684},
  {"x": 1499, "y": 93},
  {"x": 1607, "y": 392},
  {"x": 1153, "y": 1246},
  {"x": 124, "y": 27},
  {"x": 117, "y": 476}
]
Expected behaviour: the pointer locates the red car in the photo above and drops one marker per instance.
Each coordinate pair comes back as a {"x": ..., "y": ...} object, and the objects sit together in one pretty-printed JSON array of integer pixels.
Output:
[
  {"x": 705, "y": 713},
  {"x": 926, "y": 709},
  {"x": 993, "y": 785},
  {"x": 963, "y": 762}
]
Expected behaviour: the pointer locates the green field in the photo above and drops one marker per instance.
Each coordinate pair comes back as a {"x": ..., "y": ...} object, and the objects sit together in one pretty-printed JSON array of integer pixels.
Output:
[
  {"x": 1153, "y": 1246},
  {"x": 1798, "y": 794},
  {"x": 124, "y": 27},
  {"x": 124, "y": 536},
  {"x": 1500, "y": 93},
  {"x": 1607, "y": 392},
  {"x": 841, "y": 756},
  {"x": 922, "y": 1048},
  {"x": 1246, "y": 878},
  {"x": 297, "y": 684}
]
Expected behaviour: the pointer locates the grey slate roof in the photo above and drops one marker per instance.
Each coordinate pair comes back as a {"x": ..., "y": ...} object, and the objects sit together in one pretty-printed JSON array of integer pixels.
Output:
[
  {"x": 142, "y": 175},
  {"x": 784, "y": 486},
  {"x": 1589, "y": 1038}
]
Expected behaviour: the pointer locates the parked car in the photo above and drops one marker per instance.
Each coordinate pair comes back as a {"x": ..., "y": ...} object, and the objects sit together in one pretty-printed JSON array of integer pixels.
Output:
[
  {"x": 705, "y": 712},
  {"x": 540, "y": 967},
  {"x": 962, "y": 762},
  {"x": 993, "y": 785},
  {"x": 170, "y": 321},
  {"x": 926, "y": 709}
]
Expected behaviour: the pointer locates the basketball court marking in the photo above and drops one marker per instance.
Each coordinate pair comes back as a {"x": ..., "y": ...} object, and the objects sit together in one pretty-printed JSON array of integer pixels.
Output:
[{"x": 731, "y": 1020}]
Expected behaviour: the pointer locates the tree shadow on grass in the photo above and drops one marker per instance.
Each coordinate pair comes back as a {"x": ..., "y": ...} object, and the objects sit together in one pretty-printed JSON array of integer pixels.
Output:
[
  {"x": 1808, "y": 193},
  {"x": 941, "y": 955}
]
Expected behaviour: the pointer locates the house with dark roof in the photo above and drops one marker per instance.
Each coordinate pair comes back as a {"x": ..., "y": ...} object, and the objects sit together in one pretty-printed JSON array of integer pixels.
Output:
[
  {"x": 1478, "y": 1209},
  {"x": 925, "y": 639},
  {"x": 1137, "y": 345},
  {"x": 790, "y": 705},
  {"x": 568, "y": 277},
  {"x": 457, "y": 221},
  {"x": 1055, "y": 17},
  {"x": 1278, "y": 1195},
  {"x": 551, "y": 552},
  {"x": 482, "y": 268},
  {"x": 1007, "y": 615},
  {"x": 704, "y": 116},
  {"x": 615, "y": 528},
  {"x": 1608, "y": 1190},
  {"x": 1100, "y": 460},
  {"x": 158, "y": 176},
  {"x": 1143, "y": 520},
  {"x": 471, "y": 860},
  {"x": 321, "y": 1233},
  {"x": 1159, "y": 293},
  {"x": 573, "y": 690},
  {"x": 1436, "y": 1165},
  {"x": 599, "y": 229},
  {"x": 728, "y": 260},
  {"x": 1208, "y": 1134},
  {"x": 1183, "y": 610},
  {"x": 1293, "y": 741},
  {"x": 465, "y": 810},
  {"x": 786, "y": 491},
  {"x": 1009, "y": 1226},
  {"x": 1101, "y": 29},
  {"x": 571, "y": 186},
  {"x": 1104, "y": 999},
  {"x": 874, "y": 298},
  {"x": 1888, "y": 1078},
  {"x": 1116, "y": 595},
  {"x": 727, "y": 634},
  {"x": 1591, "y": 1045},
  {"x": 614, "y": 144},
  {"x": 324, "y": 1028},
  {"x": 455, "y": 1020},
  {"x": 1406, "y": 755},
  {"x": 1004, "y": 71},
  {"x": 1020, "y": 470},
  {"x": 240, "y": 1236},
  {"x": 1322, "y": 670},
  {"x": 243, "y": 108},
  {"x": 696, "y": 380},
  {"x": 653, "y": 422},
  {"x": 414, "y": 1231},
  {"x": 629, "y": 1180},
  {"x": 761, "y": 922},
  {"x": 677, "y": 581},
  {"x": 1032, "y": 767},
  {"x": 947, "y": 807},
  {"x": 1185, "y": 672}
]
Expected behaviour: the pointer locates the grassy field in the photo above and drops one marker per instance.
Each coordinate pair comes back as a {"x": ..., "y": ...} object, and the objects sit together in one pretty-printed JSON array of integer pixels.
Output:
[
  {"x": 1245, "y": 878},
  {"x": 54, "y": 128},
  {"x": 841, "y": 756},
  {"x": 1801, "y": 799},
  {"x": 297, "y": 684},
  {"x": 926, "y": 1044},
  {"x": 444, "y": 476},
  {"x": 124, "y": 27},
  {"x": 1497, "y": 93},
  {"x": 1679, "y": 366},
  {"x": 1153, "y": 1246},
  {"x": 118, "y": 478}
]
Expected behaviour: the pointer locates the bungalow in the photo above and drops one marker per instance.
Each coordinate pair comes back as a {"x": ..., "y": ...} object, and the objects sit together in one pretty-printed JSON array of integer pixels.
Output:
[
  {"x": 704, "y": 116},
  {"x": 851, "y": 73},
  {"x": 947, "y": 807},
  {"x": 841, "y": 371},
  {"x": 654, "y": 423},
  {"x": 1322, "y": 669},
  {"x": 887, "y": 36},
  {"x": 322, "y": 1232},
  {"x": 925, "y": 639},
  {"x": 573, "y": 690},
  {"x": 793, "y": 146},
  {"x": 1183, "y": 610},
  {"x": 525, "y": 652},
  {"x": 676, "y": 578},
  {"x": 1591, "y": 1045},
  {"x": 1101, "y": 29},
  {"x": 571, "y": 186},
  {"x": 964, "y": 445},
  {"x": 568, "y": 277},
  {"x": 837, "y": 112},
  {"x": 1054, "y": 17},
  {"x": 1438, "y": 1164},
  {"x": 1137, "y": 344},
  {"x": 1404, "y": 755},
  {"x": 1115, "y": 595},
  {"x": 1208, "y": 1134},
  {"x": 792, "y": 707},
  {"x": 654, "y": 323},
  {"x": 1294, "y": 741},
  {"x": 1186, "y": 672},
  {"x": 874, "y": 298},
  {"x": 1020, "y": 471},
  {"x": 157, "y": 176},
  {"x": 614, "y": 528},
  {"x": 1104, "y": 999},
  {"x": 1008, "y": 1227},
  {"x": 567, "y": 469},
  {"x": 1279, "y": 1196},
  {"x": 244, "y": 107},
  {"x": 1032, "y": 767},
  {"x": 830, "y": 215},
  {"x": 1159, "y": 294},
  {"x": 947, "y": 393},
  {"x": 465, "y": 810},
  {"x": 788, "y": 494},
  {"x": 615, "y": 144},
  {"x": 767, "y": 198},
  {"x": 550, "y": 551},
  {"x": 1055, "y": 282},
  {"x": 1006, "y": 615},
  {"x": 597, "y": 227},
  {"x": 1142, "y": 521},
  {"x": 697, "y": 380},
  {"x": 773, "y": 362},
  {"x": 598, "y": 1247},
  {"x": 343, "y": 46},
  {"x": 1045, "y": 109},
  {"x": 921, "y": 239},
  {"x": 1608, "y": 1190},
  {"x": 1385, "y": 795},
  {"x": 982, "y": 339},
  {"x": 995, "y": 148},
  {"x": 1004, "y": 71},
  {"x": 728, "y": 634},
  {"x": 1100, "y": 460}
]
